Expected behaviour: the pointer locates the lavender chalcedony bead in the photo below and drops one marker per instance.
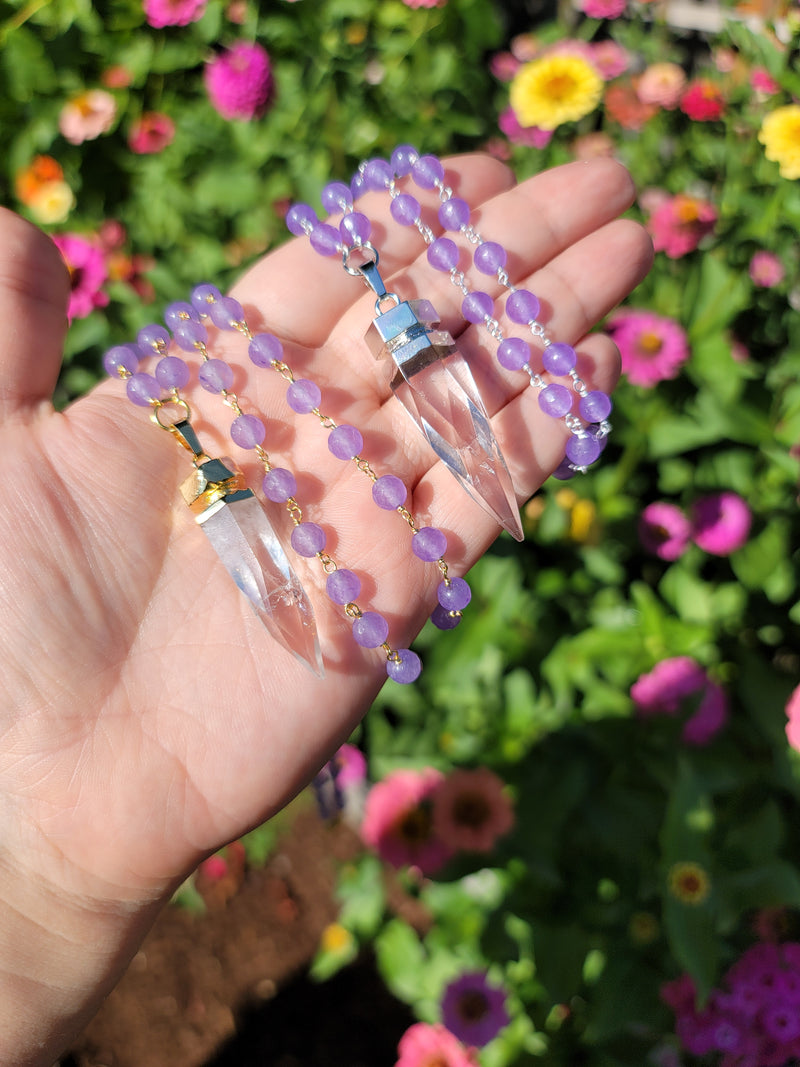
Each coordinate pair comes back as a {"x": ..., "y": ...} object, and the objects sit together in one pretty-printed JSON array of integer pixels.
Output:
[
  {"x": 442, "y": 619},
  {"x": 172, "y": 372},
  {"x": 308, "y": 539},
  {"x": 427, "y": 171},
  {"x": 265, "y": 348},
  {"x": 477, "y": 306},
  {"x": 595, "y": 406},
  {"x": 563, "y": 471},
  {"x": 325, "y": 239},
  {"x": 454, "y": 213},
  {"x": 522, "y": 306},
  {"x": 389, "y": 492},
  {"x": 513, "y": 353},
  {"x": 247, "y": 431},
  {"x": 429, "y": 544},
  {"x": 402, "y": 159},
  {"x": 345, "y": 442},
  {"x": 555, "y": 400},
  {"x": 406, "y": 668},
  {"x": 405, "y": 209},
  {"x": 178, "y": 312},
  {"x": 336, "y": 197},
  {"x": 299, "y": 218},
  {"x": 303, "y": 396},
  {"x": 378, "y": 174},
  {"x": 355, "y": 228},
  {"x": 583, "y": 450},
  {"x": 203, "y": 296},
  {"x": 153, "y": 337},
  {"x": 121, "y": 357},
  {"x": 190, "y": 335},
  {"x": 454, "y": 594},
  {"x": 143, "y": 389},
  {"x": 226, "y": 312},
  {"x": 358, "y": 184},
  {"x": 279, "y": 484},
  {"x": 559, "y": 358},
  {"x": 490, "y": 257},
  {"x": 343, "y": 587},
  {"x": 443, "y": 254},
  {"x": 215, "y": 376},
  {"x": 370, "y": 629}
]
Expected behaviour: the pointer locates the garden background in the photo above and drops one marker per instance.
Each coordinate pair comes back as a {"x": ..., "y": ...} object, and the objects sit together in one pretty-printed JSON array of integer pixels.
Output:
[{"x": 582, "y": 825}]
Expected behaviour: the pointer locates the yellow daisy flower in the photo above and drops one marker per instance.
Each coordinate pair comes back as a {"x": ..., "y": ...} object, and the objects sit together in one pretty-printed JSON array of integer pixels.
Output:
[
  {"x": 780, "y": 135},
  {"x": 689, "y": 882},
  {"x": 555, "y": 89}
]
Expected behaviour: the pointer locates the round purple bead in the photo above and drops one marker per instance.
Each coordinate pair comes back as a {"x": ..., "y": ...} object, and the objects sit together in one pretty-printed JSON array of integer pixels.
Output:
[
  {"x": 582, "y": 450},
  {"x": 190, "y": 336},
  {"x": 476, "y": 307},
  {"x": 454, "y": 213},
  {"x": 345, "y": 442},
  {"x": 443, "y": 619},
  {"x": 121, "y": 357},
  {"x": 405, "y": 209},
  {"x": 215, "y": 376},
  {"x": 172, "y": 372},
  {"x": 522, "y": 306},
  {"x": 308, "y": 539},
  {"x": 429, "y": 544},
  {"x": 303, "y": 396},
  {"x": 402, "y": 159},
  {"x": 179, "y": 312},
  {"x": 454, "y": 594},
  {"x": 299, "y": 218},
  {"x": 559, "y": 358},
  {"x": 595, "y": 406},
  {"x": 336, "y": 197},
  {"x": 370, "y": 629},
  {"x": 406, "y": 669},
  {"x": 427, "y": 171},
  {"x": 555, "y": 400},
  {"x": 378, "y": 174},
  {"x": 279, "y": 484},
  {"x": 513, "y": 353},
  {"x": 564, "y": 471},
  {"x": 142, "y": 389},
  {"x": 226, "y": 312},
  {"x": 264, "y": 348},
  {"x": 355, "y": 228},
  {"x": 389, "y": 492},
  {"x": 203, "y": 296},
  {"x": 358, "y": 184},
  {"x": 343, "y": 587},
  {"x": 443, "y": 254},
  {"x": 489, "y": 257},
  {"x": 153, "y": 338},
  {"x": 247, "y": 431},
  {"x": 325, "y": 239}
]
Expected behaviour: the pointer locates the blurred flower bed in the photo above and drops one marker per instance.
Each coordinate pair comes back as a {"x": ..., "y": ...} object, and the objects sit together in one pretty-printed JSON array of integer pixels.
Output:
[{"x": 591, "y": 790}]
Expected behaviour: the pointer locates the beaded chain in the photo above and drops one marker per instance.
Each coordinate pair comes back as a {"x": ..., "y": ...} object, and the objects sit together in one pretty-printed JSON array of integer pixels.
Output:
[{"x": 587, "y": 438}]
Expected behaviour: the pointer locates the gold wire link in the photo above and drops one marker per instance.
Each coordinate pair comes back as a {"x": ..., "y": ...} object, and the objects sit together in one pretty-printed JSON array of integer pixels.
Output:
[
  {"x": 263, "y": 455},
  {"x": 353, "y": 610},
  {"x": 391, "y": 653},
  {"x": 174, "y": 401},
  {"x": 241, "y": 327},
  {"x": 295, "y": 511},
  {"x": 363, "y": 465},
  {"x": 326, "y": 420},
  {"x": 232, "y": 400},
  {"x": 440, "y": 563},
  {"x": 283, "y": 369},
  {"x": 408, "y": 517},
  {"x": 328, "y": 564}
]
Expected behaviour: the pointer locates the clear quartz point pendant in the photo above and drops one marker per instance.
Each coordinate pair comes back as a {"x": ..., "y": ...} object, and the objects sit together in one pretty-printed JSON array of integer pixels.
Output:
[
  {"x": 242, "y": 535},
  {"x": 433, "y": 382}
]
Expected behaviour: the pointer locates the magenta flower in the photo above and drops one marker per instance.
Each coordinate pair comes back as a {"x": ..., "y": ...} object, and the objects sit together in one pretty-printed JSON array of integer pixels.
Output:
[
  {"x": 531, "y": 136},
  {"x": 766, "y": 269},
  {"x": 664, "y": 530},
  {"x": 239, "y": 82},
  {"x": 679, "y": 683},
  {"x": 680, "y": 223},
  {"x": 473, "y": 1010},
  {"x": 653, "y": 348},
  {"x": 351, "y": 766},
  {"x": 160, "y": 13},
  {"x": 761, "y": 81},
  {"x": 793, "y": 715},
  {"x": 720, "y": 523},
  {"x": 423, "y": 1045},
  {"x": 424, "y": 3},
  {"x": 151, "y": 133},
  {"x": 603, "y": 9},
  {"x": 471, "y": 810},
  {"x": 398, "y": 820},
  {"x": 88, "y": 272}
]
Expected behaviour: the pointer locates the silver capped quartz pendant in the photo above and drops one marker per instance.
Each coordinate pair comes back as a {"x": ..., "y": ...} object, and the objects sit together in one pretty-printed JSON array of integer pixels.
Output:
[
  {"x": 236, "y": 524},
  {"x": 433, "y": 382}
]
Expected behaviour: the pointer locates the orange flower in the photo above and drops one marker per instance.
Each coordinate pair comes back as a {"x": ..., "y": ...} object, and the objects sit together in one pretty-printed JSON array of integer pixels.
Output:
[{"x": 40, "y": 171}]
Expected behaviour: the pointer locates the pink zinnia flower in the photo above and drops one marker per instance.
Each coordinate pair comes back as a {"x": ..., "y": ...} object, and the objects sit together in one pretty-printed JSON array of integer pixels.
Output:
[
  {"x": 504, "y": 66},
  {"x": 161, "y": 13},
  {"x": 703, "y": 101},
  {"x": 531, "y": 136},
  {"x": 679, "y": 224},
  {"x": 87, "y": 115},
  {"x": 720, "y": 523},
  {"x": 667, "y": 689},
  {"x": 473, "y": 1010},
  {"x": 623, "y": 105},
  {"x": 398, "y": 820},
  {"x": 351, "y": 766},
  {"x": 766, "y": 269},
  {"x": 423, "y": 1045},
  {"x": 609, "y": 59},
  {"x": 653, "y": 348},
  {"x": 664, "y": 530},
  {"x": 761, "y": 81},
  {"x": 239, "y": 82},
  {"x": 603, "y": 9},
  {"x": 471, "y": 810},
  {"x": 151, "y": 133},
  {"x": 662, "y": 84},
  {"x": 793, "y": 715},
  {"x": 424, "y": 3},
  {"x": 87, "y": 270}
]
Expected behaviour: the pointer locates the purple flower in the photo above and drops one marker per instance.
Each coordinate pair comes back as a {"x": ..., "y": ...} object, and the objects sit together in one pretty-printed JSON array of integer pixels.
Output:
[
  {"x": 473, "y": 1010},
  {"x": 239, "y": 82},
  {"x": 664, "y": 530},
  {"x": 667, "y": 690},
  {"x": 161, "y": 13},
  {"x": 720, "y": 523}
]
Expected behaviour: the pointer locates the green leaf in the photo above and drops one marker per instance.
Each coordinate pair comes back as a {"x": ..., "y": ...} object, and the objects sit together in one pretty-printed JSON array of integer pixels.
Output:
[
  {"x": 559, "y": 951},
  {"x": 401, "y": 959}
]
